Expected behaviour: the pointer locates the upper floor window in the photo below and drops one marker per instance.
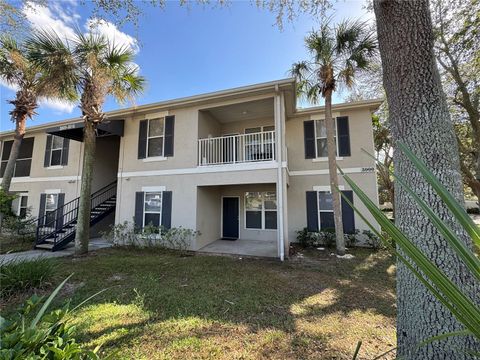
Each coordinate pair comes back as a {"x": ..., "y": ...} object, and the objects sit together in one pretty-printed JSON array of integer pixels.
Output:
[
  {"x": 321, "y": 138},
  {"x": 156, "y": 137},
  {"x": 24, "y": 160},
  {"x": 261, "y": 210},
  {"x": 259, "y": 144},
  {"x": 56, "y": 151},
  {"x": 315, "y": 138}
]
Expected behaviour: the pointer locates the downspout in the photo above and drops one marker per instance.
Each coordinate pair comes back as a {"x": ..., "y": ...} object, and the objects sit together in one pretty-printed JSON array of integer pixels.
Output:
[{"x": 278, "y": 137}]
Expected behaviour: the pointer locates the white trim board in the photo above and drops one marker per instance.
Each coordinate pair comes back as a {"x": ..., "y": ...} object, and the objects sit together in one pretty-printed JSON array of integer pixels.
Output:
[
  {"x": 202, "y": 169},
  {"x": 326, "y": 187},
  {"x": 52, "y": 191},
  {"x": 28, "y": 179},
  {"x": 356, "y": 170},
  {"x": 153, "y": 188}
]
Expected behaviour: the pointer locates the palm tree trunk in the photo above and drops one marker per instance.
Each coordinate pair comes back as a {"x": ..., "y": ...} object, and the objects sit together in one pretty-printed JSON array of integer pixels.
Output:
[
  {"x": 20, "y": 123},
  {"x": 332, "y": 169},
  {"x": 419, "y": 117},
  {"x": 83, "y": 222}
]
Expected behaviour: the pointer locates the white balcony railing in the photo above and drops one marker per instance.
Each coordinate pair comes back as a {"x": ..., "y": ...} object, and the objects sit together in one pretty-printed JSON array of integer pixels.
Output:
[{"x": 237, "y": 148}]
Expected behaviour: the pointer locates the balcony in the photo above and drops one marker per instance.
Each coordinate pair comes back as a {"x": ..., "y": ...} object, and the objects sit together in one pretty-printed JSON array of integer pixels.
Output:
[{"x": 234, "y": 149}]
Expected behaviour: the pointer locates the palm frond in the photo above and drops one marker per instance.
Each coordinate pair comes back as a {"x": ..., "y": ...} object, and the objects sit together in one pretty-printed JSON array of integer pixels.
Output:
[
  {"x": 128, "y": 85},
  {"x": 14, "y": 68}
]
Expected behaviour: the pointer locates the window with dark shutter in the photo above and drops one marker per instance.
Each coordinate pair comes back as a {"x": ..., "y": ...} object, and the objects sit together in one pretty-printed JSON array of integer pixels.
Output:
[
  {"x": 41, "y": 209},
  {"x": 309, "y": 139},
  {"x": 138, "y": 218},
  {"x": 24, "y": 160},
  {"x": 343, "y": 136},
  {"x": 66, "y": 146}
]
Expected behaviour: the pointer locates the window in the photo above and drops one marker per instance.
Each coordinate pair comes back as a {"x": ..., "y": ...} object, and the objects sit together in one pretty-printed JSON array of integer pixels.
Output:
[
  {"x": 261, "y": 210},
  {"x": 325, "y": 210},
  {"x": 56, "y": 151},
  {"x": 321, "y": 138},
  {"x": 155, "y": 137},
  {"x": 51, "y": 205},
  {"x": 19, "y": 205},
  {"x": 24, "y": 160},
  {"x": 152, "y": 209},
  {"x": 260, "y": 144}
]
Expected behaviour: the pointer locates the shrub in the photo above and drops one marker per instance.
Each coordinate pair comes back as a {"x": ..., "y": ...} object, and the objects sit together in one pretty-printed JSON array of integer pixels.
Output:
[
  {"x": 26, "y": 335},
  {"x": 126, "y": 234},
  {"x": 22, "y": 227},
  {"x": 325, "y": 237},
  {"x": 21, "y": 275}
]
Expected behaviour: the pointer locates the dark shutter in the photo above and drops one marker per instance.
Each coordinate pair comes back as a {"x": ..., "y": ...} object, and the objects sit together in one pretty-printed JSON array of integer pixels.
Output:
[
  {"x": 348, "y": 216},
  {"x": 312, "y": 211},
  {"x": 343, "y": 134},
  {"x": 138, "y": 218},
  {"x": 41, "y": 209},
  {"x": 48, "y": 148},
  {"x": 169, "y": 130},
  {"x": 309, "y": 139},
  {"x": 167, "y": 209},
  {"x": 59, "y": 213},
  {"x": 142, "y": 139},
  {"x": 66, "y": 145}
]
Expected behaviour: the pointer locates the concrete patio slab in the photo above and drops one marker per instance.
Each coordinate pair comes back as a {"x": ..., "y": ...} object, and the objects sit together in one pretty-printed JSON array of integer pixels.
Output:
[
  {"x": 242, "y": 247},
  {"x": 95, "y": 244}
]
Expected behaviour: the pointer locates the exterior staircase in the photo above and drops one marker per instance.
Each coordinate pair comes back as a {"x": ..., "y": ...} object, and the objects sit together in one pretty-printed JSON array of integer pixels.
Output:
[{"x": 57, "y": 229}]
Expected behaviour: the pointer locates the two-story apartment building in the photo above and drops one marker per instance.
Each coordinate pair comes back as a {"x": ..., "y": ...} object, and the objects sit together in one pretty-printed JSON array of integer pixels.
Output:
[{"x": 244, "y": 165}]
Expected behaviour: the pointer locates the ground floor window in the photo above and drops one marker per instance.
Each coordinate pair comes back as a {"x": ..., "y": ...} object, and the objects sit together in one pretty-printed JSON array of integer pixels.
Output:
[
  {"x": 51, "y": 205},
  {"x": 19, "y": 205},
  {"x": 152, "y": 209},
  {"x": 325, "y": 210},
  {"x": 261, "y": 210}
]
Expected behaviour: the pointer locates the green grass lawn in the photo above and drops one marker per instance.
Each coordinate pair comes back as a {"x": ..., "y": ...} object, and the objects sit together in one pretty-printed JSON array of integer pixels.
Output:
[{"x": 159, "y": 305}]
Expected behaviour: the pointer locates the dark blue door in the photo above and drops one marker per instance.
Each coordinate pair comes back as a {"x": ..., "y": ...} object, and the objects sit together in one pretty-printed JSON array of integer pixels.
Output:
[{"x": 230, "y": 218}]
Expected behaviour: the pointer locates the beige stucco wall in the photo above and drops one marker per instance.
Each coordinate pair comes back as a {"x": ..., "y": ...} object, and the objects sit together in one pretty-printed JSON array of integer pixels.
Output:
[
  {"x": 361, "y": 136},
  {"x": 105, "y": 168},
  {"x": 299, "y": 185}
]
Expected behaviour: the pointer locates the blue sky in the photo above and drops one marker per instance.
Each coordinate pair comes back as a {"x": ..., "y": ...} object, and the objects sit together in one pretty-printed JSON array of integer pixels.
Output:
[{"x": 183, "y": 52}]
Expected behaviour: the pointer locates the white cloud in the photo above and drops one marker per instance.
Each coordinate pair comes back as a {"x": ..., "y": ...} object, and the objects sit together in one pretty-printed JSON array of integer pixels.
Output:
[
  {"x": 60, "y": 106},
  {"x": 111, "y": 32},
  {"x": 43, "y": 18}
]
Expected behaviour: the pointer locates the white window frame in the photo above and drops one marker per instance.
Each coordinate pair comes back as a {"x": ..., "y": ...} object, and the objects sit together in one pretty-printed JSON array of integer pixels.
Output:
[
  {"x": 152, "y": 191},
  {"x": 18, "y": 210},
  {"x": 156, "y": 157},
  {"x": 319, "y": 209},
  {"x": 262, "y": 211},
  {"x": 51, "y": 151},
  {"x": 325, "y": 158},
  {"x": 265, "y": 143}
]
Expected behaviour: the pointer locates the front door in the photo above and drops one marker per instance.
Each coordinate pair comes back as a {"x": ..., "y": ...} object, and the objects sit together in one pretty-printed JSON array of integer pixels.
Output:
[{"x": 230, "y": 218}]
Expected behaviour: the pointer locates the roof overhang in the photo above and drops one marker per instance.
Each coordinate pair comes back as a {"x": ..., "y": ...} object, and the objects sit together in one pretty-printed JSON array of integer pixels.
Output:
[{"x": 74, "y": 131}]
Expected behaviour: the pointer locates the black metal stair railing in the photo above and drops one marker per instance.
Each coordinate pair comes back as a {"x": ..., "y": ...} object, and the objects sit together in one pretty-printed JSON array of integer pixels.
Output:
[{"x": 59, "y": 225}]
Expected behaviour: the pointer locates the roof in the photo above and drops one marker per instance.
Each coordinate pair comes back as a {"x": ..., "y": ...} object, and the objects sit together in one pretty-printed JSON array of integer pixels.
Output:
[{"x": 243, "y": 91}]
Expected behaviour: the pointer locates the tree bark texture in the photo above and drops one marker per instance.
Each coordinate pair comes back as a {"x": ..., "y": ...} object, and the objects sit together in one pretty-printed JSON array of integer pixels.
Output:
[
  {"x": 419, "y": 118},
  {"x": 82, "y": 235},
  {"x": 20, "y": 123},
  {"x": 332, "y": 169}
]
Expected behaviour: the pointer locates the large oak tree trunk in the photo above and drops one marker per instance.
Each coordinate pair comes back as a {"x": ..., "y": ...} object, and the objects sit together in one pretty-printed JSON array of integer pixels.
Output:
[
  {"x": 419, "y": 117},
  {"x": 332, "y": 169},
  {"x": 20, "y": 123},
  {"x": 82, "y": 235}
]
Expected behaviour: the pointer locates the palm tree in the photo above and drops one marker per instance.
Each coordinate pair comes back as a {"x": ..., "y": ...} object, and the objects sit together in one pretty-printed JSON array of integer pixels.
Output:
[
  {"x": 19, "y": 70},
  {"x": 337, "y": 54},
  {"x": 100, "y": 69}
]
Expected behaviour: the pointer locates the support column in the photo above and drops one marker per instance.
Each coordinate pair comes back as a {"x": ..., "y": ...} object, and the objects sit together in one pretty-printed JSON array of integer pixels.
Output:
[{"x": 279, "y": 152}]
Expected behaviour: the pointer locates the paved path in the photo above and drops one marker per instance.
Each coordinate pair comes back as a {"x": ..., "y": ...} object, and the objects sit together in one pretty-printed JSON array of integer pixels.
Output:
[{"x": 95, "y": 244}]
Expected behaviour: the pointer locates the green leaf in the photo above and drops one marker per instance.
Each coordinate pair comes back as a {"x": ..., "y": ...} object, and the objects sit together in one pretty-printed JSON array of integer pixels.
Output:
[
  {"x": 448, "y": 293},
  {"x": 457, "y": 210},
  {"x": 469, "y": 258},
  {"x": 42, "y": 310}
]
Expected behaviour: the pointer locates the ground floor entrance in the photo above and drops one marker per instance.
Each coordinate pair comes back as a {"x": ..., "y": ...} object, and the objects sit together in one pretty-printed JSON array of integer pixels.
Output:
[{"x": 230, "y": 218}]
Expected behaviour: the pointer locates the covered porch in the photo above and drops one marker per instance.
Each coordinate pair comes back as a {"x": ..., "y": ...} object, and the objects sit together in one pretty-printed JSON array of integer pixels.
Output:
[{"x": 238, "y": 220}]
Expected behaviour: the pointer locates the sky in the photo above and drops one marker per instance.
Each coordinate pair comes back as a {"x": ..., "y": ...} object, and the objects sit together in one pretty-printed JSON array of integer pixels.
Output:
[{"x": 186, "y": 51}]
